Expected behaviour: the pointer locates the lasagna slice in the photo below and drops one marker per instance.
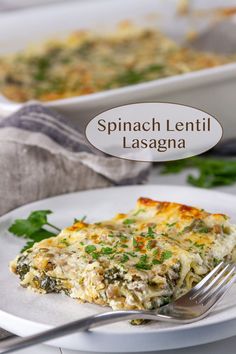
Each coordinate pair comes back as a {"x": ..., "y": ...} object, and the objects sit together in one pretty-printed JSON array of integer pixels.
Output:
[{"x": 139, "y": 260}]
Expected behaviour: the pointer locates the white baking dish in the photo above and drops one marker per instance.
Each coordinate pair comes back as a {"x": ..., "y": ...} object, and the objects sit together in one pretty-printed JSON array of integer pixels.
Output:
[{"x": 212, "y": 90}]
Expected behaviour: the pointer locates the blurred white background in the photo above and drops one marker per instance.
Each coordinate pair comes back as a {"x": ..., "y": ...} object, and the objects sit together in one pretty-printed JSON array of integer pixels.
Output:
[{"x": 11, "y": 5}]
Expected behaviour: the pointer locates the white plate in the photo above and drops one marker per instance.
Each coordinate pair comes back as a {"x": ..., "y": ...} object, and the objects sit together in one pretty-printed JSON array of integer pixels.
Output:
[
  {"x": 23, "y": 312},
  {"x": 211, "y": 90}
]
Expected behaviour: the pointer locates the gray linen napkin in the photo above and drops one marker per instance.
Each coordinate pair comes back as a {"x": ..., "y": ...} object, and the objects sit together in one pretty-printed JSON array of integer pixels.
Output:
[
  {"x": 4, "y": 334},
  {"x": 42, "y": 154}
]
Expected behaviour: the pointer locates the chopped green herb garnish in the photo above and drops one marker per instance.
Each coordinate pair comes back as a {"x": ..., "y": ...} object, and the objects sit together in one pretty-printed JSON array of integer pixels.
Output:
[
  {"x": 156, "y": 261},
  {"x": 150, "y": 232},
  {"x": 155, "y": 252},
  {"x": 216, "y": 261},
  {"x": 124, "y": 258},
  {"x": 132, "y": 76},
  {"x": 80, "y": 219},
  {"x": 95, "y": 255},
  {"x": 65, "y": 242},
  {"x": 170, "y": 225},
  {"x": 199, "y": 245},
  {"x": 144, "y": 258},
  {"x": 143, "y": 263},
  {"x": 123, "y": 245},
  {"x": 128, "y": 221},
  {"x": 90, "y": 248},
  {"x": 123, "y": 237},
  {"x": 144, "y": 266},
  {"x": 139, "y": 211},
  {"x": 132, "y": 254},
  {"x": 204, "y": 230},
  {"x": 107, "y": 250},
  {"x": 166, "y": 255},
  {"x": 135, "y": 243}
]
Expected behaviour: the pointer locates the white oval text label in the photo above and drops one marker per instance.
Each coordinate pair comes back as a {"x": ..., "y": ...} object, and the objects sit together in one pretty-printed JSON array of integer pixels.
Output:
[{"x": 153, "y": 131}]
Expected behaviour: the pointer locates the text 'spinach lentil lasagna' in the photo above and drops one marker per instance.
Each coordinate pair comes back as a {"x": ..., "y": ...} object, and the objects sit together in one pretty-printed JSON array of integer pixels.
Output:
[
  {"x": 139, "y": 260},
  {"x": 87, "y": 62}
]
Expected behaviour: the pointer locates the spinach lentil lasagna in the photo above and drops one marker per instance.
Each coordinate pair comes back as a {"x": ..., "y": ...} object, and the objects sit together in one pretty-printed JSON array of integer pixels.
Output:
[
  {"x": 139, "y": 260},
  {"x": 86, "y": 62}
]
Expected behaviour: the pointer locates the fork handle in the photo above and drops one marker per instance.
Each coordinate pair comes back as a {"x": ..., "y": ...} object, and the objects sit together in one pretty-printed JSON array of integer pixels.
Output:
[{"x": 17, "y": 343}]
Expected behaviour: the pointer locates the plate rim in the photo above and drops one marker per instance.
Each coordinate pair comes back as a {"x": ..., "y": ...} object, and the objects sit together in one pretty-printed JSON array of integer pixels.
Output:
[{"x": 120, "y": 332}]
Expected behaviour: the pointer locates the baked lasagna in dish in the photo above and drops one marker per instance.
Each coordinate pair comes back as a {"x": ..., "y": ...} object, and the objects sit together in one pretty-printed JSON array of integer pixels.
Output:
[
  {"x": 140, "y": 260},
  {"x": 86, "y": 62}
]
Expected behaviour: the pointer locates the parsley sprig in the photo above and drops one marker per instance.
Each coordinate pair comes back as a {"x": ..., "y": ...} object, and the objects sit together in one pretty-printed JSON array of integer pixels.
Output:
[
  {"x": 33, "y": 228},
  {"x": 36, "y": 228},
  {"x": 212, "y": 172}
]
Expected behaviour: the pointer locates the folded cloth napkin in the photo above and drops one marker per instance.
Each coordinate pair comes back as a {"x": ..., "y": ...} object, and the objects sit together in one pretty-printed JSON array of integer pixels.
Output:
[
  {"x": 42, "y": 154},
  {"x": 4, "y": 334}
]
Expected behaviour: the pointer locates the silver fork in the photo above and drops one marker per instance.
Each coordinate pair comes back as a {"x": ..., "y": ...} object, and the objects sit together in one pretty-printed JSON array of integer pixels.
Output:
[{"x": 191, "y": 307}]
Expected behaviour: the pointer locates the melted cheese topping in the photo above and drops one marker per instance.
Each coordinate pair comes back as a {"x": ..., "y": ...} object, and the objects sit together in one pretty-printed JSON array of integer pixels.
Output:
[{"x": 142, "y": 259}]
